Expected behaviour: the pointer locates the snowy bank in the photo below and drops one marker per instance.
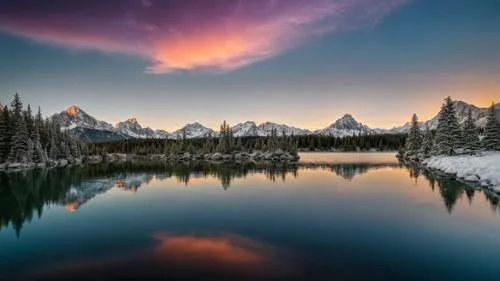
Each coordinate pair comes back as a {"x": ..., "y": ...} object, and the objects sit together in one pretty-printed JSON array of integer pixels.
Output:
[{"x": 483, "y": 168}]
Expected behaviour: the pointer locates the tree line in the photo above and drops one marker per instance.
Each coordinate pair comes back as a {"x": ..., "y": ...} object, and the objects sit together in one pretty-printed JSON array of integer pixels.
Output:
[
  {"x": 28, "y": 138},
  {"x": 226, "y": 143},
  {"x": 451, "y": 138}
]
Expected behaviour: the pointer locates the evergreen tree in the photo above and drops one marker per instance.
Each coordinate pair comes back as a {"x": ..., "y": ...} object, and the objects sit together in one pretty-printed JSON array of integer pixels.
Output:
[
  {"x": 226, "y": 142},
  {"x": 4, "y": 140},
  {"x": 470, "y": 134},
  {"x": 19, "y": 144},
  {"x": 414, "y": 140},
  {"x": 16, "y": 106},
  {"x": 448, "y": 133},
  {"x": 75, "y": 150},
  {"x": 284, "y": 140},
  {"x": 39, "y": 155},
  {"x": 67, "y": 151},
  {"x": 84, "y": 150},
  {"x": 491, "y": 139},
  {"x": 53, "y": 148},
  {"x": 42, "y": 128},
  {"x": 28, "y": 118},
  {"x": 29, "y": 151},
  {"x": 427, "y": 143}
]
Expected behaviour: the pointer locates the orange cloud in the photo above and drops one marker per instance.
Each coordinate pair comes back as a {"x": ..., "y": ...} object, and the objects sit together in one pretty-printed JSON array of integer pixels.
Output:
[{"x": 190, "y": 35}]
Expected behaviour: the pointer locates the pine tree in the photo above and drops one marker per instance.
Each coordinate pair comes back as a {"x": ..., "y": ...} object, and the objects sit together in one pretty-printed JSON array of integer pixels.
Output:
[
  {"x": 4, "y": 140},
  {"x": 414, "y": 140},
  {"x": 19, "y": 144},
  {"x": 226, "y": 141},
  {"x": 284, "y": 140},
  {"x": 39, "y": 155},
  {"x": 491, "y": 139},
  {"x": 42, "y": 128},
  {"x": 427, "y": 143},
  {"x": 16, "y": 108},
  {"x": 53, "y": 149},
  {"x": 448, "y": 133},
  {"x": 75, "y": 151},
  {"x": 85, "y": 150},
  {"x": 67, "y": 151},
  {"x": 28, "y": 118},
  {"x": 222, "y": 137},
  {"x": 29, "y": 152},
  {"x": 470, "y": 134}
]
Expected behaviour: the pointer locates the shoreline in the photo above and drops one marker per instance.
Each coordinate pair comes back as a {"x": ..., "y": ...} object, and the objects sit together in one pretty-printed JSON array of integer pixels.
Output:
[
  {"x": 473, "y": 170},
  {"x": 277, "y": 156}
]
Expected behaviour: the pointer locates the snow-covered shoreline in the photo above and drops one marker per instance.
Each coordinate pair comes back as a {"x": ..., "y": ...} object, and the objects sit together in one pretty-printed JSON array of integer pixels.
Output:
[{"x": 482, "y": 168}]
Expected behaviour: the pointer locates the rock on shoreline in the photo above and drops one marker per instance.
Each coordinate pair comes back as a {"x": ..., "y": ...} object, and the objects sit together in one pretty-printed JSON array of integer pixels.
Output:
[
  {"x": 267, "y": 156},
  {"x": 49, "y": 164}
]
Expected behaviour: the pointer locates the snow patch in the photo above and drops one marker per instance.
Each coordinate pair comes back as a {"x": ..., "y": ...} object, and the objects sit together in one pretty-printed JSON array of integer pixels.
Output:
[{"x": 483, "y": 168}]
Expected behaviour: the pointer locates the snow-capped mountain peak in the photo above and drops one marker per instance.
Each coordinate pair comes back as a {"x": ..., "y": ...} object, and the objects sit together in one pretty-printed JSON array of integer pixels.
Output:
[
  {"x": 247, "y": 129},
  {"x": 193, "y": 130},
  {"x": 74, "y": 117},
  {"x": 267, "y": 127},
  {"x": 347, "y": 122},
  {"x": 133, "y": 129},
  {"x": 461, "y": 110},
  {"x": 132, "y": 120},
  {"x": 73, "y": 110},
  {"x": 345, "y": 126}
]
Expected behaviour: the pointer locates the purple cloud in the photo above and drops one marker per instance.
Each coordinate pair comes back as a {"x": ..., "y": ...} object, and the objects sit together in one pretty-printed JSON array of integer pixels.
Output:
[{"x": 218, "y": 35}]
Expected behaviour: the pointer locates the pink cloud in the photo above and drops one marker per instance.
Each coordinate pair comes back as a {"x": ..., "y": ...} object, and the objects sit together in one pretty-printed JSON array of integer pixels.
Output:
[{"x": 179, "y": 36}]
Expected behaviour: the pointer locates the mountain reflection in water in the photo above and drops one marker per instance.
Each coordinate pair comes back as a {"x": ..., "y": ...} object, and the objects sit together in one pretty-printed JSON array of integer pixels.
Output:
[{"x": 24, "y": 194}]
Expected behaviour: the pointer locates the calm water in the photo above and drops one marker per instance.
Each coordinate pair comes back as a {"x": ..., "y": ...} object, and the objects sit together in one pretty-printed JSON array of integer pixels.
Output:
[{"x": 333, "y": 217}]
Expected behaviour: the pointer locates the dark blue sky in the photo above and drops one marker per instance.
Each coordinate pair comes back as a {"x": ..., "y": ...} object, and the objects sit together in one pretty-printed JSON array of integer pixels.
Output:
[{"x": 304, "y": 65}]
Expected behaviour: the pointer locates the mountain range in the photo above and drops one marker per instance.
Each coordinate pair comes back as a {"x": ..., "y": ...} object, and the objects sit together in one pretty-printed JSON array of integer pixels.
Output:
[
  {"x": 462, "y": 111},
  {"x": 90, "y": 129}
]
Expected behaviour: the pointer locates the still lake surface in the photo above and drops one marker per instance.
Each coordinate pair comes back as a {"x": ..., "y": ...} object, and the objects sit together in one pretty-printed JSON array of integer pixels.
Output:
[{"x": 335, "y": 216}]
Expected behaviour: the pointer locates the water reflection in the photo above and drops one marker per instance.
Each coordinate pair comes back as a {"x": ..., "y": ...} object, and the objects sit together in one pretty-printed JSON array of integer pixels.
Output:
[
  {"x": 450, "y": 189},
  {"x": 175, "y": 256},
  {"x": 222, "y": 252},
  {"x": 23, "y": 195}
]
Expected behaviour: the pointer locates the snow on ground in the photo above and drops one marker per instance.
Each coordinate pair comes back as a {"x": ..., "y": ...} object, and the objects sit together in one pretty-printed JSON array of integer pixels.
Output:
[{"x": 483, "y": 168}]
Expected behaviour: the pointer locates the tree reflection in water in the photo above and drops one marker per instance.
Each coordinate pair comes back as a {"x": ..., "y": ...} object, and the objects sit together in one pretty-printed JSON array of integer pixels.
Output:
[{"x": 24, "y": 194}]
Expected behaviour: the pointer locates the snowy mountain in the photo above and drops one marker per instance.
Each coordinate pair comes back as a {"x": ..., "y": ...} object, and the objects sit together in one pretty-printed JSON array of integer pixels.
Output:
[
  {"x": 194, "y": 130},
  {"x": 132, "y": 129},
  {"x": 86, "y": 127},
  {"x": 247, "y": 129},
  {"x": 462, "y": 110},
  {"x": 266, "y": 128},
  {"x": 90, "y": 129},
  {"x": 74, "y": 117},
  {"x": 345, "y": 126},
  {"x": 81, "y": 194},
  {"x": 250, "y": 129},
  {"x": 161, "y": 134}
]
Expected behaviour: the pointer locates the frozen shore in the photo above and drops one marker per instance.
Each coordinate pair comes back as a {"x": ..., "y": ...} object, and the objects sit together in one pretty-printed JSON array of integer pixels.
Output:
[{"x": 482, "y": 168}]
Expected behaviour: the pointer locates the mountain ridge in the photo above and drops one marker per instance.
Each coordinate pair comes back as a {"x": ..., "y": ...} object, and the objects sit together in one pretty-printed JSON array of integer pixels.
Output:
[
  {"x": 87, "y": 127},
  {"x": 479, "y": 115}
]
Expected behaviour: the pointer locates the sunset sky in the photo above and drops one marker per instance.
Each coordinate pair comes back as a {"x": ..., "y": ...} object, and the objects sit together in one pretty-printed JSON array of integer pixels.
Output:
[{"x": 303, "y": 63}]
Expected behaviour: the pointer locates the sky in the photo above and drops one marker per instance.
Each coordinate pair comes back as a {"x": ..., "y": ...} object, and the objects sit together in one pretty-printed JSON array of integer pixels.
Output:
[{"x": 302, "y": 63}]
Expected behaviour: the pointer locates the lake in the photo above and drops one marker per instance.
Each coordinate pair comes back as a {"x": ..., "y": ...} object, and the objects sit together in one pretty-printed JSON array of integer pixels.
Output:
[{"x": 333, "y": 216}]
